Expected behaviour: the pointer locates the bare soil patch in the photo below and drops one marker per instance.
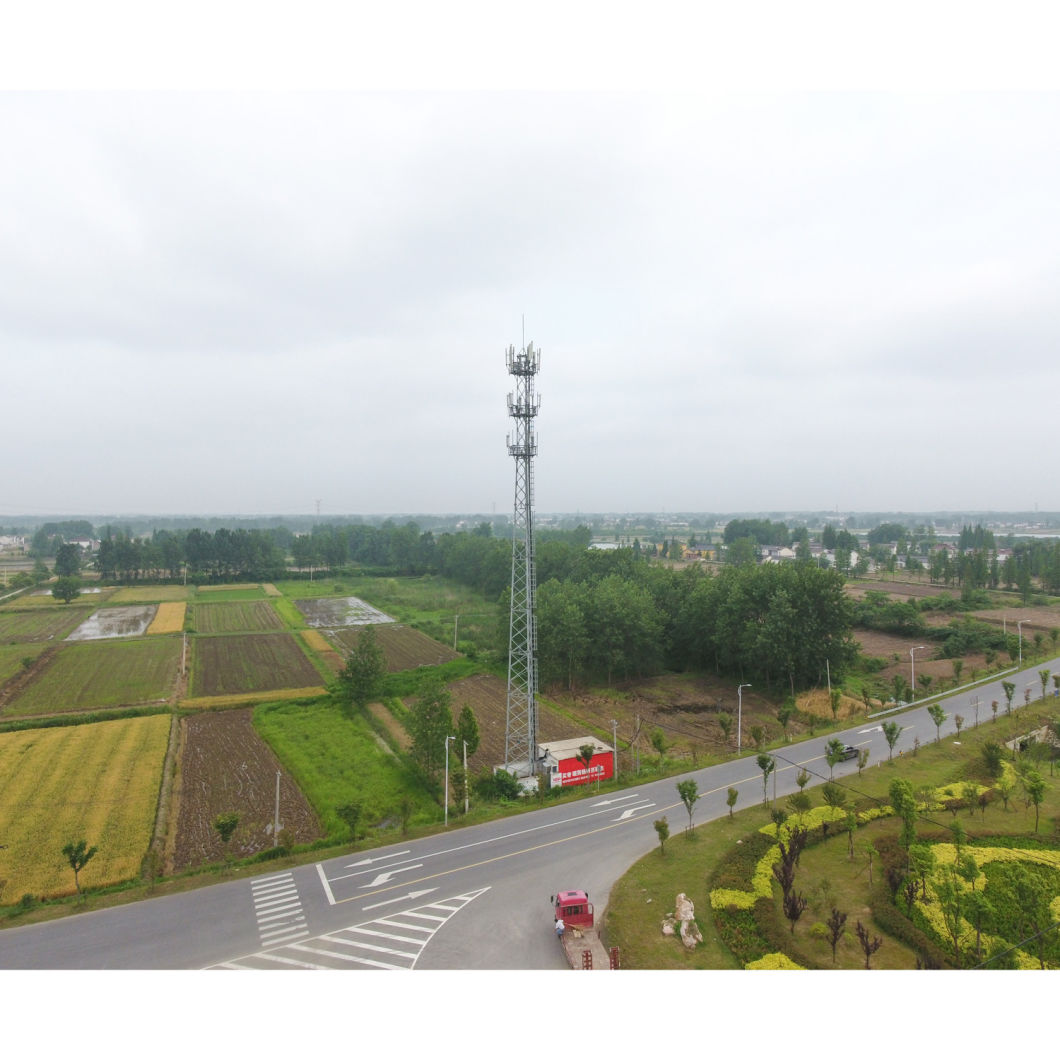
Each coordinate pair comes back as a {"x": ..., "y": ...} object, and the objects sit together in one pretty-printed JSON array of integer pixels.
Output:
[{"x": 225, "y": 767}]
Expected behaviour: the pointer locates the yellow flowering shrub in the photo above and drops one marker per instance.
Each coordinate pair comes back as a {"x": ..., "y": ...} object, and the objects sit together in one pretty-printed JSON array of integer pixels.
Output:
[{"x": 774, "y": 962}]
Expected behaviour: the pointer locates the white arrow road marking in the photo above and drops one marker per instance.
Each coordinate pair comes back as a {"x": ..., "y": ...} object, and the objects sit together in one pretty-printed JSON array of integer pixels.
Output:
[
  {"x": 875, "y": 728},
  {"x": 403, "y": 898},
  {"x": 384, "y": 877},
  {"x": 372, "y": 861},
  {"x": 626, "y": 814},
  {"x": 620, "y": 798}
]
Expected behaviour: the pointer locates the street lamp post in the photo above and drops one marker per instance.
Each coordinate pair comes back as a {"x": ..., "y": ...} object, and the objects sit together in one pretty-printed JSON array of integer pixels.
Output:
[
  {"x": 1019, "y": 629},
  {"x": 614, "y": 749},
  {"x": 912, "y": 675},
  {"x": 465, "y": 779},
  {"x": 739, "y": 715},
  {"x": 445, "y": 790}
]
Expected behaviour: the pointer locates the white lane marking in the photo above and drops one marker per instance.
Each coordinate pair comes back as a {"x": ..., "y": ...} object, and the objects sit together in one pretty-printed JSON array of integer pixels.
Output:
[
  {"x": 404, "y": 898},
  {"x": 371, "y": 937},
  {"x": 372, "y": 861},
  {"x": 324, "y": 883}
]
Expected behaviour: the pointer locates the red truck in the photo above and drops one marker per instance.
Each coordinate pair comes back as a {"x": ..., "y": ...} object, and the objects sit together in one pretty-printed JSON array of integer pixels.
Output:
[{"x": 579, "y": 937}]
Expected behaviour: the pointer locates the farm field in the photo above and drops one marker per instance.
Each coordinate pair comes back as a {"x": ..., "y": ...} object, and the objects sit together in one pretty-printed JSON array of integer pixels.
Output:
[
  {"x": 403, "y": 647},
  {"x": 226, "y": 767},
  {"x": 22, "y": 627},
  {"x": 152, "y": 594},
  {"x": 331, "y": 612},
  {"x": 254, "y": 662},
  {"x": 169, "y": 618},
  {"x": 110, "y": 622},
  {"x": 12, "y": 656},
  {"x": 43, "y": 600},
  {"x": 97, "y": 782},
  {"x": 337, "y": 760},
  {"x": 113, "y": 674},
  {"x": 250, "y": 616}
]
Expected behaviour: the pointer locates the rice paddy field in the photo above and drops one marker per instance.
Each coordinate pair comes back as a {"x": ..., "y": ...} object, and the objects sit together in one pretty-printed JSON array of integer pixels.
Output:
[
  {"x": 96, "y": 782},
  {"x": 105, "y": 674}
]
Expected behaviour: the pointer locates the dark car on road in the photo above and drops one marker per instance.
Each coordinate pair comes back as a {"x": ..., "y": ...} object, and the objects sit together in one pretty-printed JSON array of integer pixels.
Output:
[{"x": 848, "y": 753}]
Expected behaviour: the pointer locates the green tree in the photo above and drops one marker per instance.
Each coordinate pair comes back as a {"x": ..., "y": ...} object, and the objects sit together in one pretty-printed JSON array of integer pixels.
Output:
[
  {"x": 725, "y": 721},
  {"x": 785, "y": 712},
  {"x": 67, "y": 561},
  {"x": 863, "y": 759},
  {"x": 689, "y": 792},
  {"x": 767, "y": 764},
  {"x": 730, "y": 799},
  {"x": 66, "y": 589},
  {"x": 467, "y": 731},
  {"x": 1034, "y": 786},
  {"x": 904, "y": 803},
  {"x": 1043, "y": 676},
  {"x": 430, "y": 721},
  {"x": 658, "y": 742},
  {"x": 799, "y": 802},
  {"x": 225, "y": 825},
  {"x": 1010, "y": 689},
  {"x": 78, "y": 854},
  {"x": 662, "y": 830},
  {"x": 361, "y": 678},
  {"x": 585, "y": 756},
  {"x": 938, "y": 716},
  {"x": 833, "y": 754},
  {"x": 350, "y": 814}
]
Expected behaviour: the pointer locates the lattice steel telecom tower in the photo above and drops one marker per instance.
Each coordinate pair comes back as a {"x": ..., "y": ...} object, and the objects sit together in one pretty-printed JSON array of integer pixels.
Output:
[{"x": 520, "y": 735}]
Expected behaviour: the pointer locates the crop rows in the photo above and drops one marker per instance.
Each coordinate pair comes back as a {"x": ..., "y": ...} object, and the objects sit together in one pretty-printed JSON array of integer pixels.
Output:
[
  {"x": 110, "y": 674},
  {"x": 95, "y": 782},
  {"x": 22, "y": 627},
  {"x": 251, "y": 663},
  {"x": 238, "y": 617}
]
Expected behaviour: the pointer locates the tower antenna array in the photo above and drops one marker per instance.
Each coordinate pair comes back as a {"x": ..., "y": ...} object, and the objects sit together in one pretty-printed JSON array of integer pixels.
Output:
[{"x": 520, "y": 735}]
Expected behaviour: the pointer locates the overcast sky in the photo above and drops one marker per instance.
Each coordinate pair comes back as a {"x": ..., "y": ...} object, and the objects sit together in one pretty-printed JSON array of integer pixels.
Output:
[{"x": 246, "y": 303}]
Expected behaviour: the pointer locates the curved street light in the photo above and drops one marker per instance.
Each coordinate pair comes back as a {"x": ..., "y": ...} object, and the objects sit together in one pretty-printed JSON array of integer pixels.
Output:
[
  {"x": 739, "y": 715},
  {"x": 912, "y": 675}
]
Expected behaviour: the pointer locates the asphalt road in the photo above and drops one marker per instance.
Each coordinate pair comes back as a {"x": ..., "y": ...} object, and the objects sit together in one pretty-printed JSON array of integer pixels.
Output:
[{"x": 471, "y": 898}]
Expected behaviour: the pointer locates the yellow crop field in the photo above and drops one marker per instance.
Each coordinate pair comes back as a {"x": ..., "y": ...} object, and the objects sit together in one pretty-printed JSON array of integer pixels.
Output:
[
  {"x": 96, "y": 782},
  {"x": 316, "y": 641},
  {"x": 168, "y": 619},
  {"x": 271, "y": 590},
  {"x": 239, "y": 699}
]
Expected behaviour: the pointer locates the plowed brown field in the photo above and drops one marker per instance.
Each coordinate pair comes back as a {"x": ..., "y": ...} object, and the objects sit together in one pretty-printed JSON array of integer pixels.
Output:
[
  {"x": 225, "y": 767},
  {"x": 403, "y": 647}
]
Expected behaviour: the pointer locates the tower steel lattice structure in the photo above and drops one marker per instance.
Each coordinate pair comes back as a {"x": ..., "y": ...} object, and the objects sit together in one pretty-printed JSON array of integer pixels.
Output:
[{"x": 520, "y": 735}]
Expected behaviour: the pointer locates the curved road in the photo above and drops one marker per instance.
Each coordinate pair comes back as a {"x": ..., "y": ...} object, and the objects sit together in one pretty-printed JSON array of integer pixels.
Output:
[{"x": 472, "y": 898}]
